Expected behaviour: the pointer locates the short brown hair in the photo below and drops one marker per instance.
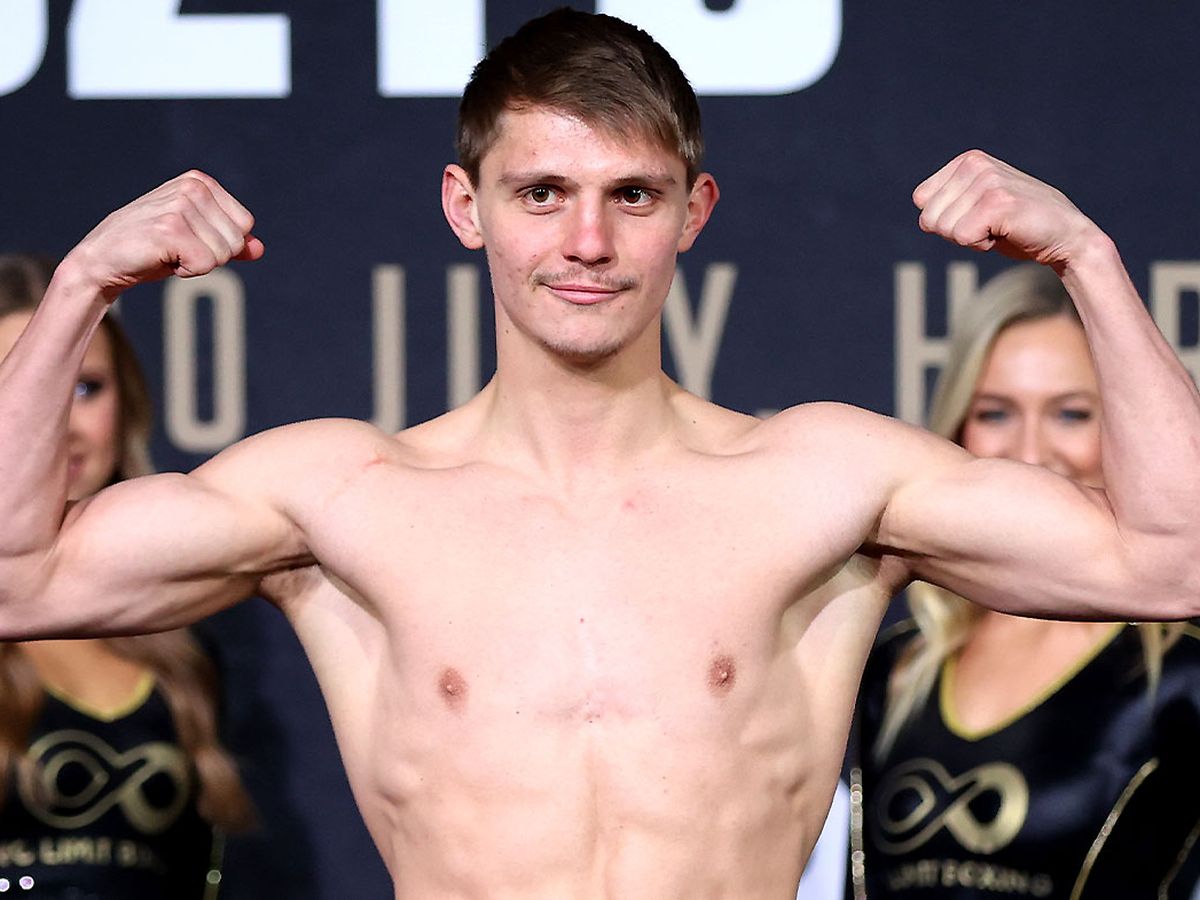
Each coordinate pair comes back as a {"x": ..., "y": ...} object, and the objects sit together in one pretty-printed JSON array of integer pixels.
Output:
[{"x": 597, "y": 68}]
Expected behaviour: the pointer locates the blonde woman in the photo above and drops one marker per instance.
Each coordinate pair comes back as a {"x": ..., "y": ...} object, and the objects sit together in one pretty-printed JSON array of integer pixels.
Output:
[
  {"x": 114, "y": 783},
  {"x": 1022, "y": 757}
]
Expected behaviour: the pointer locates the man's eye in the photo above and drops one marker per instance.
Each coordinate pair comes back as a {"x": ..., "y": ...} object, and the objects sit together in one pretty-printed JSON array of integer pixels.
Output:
[
  {"x": 634, "y": 196},
  {"x": 540, "y": 195}
]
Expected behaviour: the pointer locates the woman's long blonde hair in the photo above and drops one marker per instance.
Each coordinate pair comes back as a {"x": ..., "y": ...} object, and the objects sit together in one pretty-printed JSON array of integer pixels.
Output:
[
  {"x": 182, "y": 671},
  {"x": 1022, "y": 293}
]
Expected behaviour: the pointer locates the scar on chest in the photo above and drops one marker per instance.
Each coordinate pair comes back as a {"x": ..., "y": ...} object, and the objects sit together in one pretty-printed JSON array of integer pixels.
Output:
[
  {"x": 722, "y": 673},
  {"x": 453, "y": 689}
]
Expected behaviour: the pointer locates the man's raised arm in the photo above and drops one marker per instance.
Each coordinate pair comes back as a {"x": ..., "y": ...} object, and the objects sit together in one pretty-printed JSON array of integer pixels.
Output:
[
  {"x": 92, "y": 568},
  {"x": 1023, "y": 540}
]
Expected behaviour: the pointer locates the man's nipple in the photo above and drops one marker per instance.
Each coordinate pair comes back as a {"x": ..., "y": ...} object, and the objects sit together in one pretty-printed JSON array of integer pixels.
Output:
[
  {"x": 722, "y": 673},
  {"x": 453, "y": 689}
]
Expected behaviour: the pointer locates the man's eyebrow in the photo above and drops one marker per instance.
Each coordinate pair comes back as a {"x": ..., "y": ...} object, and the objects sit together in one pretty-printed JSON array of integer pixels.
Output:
[
  {"x": 655, "y": 179},
  {"x": 532, "y": 176}
]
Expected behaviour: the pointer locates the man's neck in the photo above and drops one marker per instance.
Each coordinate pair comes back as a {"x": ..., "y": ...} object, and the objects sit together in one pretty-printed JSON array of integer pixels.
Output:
[{"x": 572, "y": 422}]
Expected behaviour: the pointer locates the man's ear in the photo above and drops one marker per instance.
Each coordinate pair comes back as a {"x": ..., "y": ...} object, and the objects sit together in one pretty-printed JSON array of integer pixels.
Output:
[
  {"x": 701, "y": 200},
  {"x": 458, "y": 203}
]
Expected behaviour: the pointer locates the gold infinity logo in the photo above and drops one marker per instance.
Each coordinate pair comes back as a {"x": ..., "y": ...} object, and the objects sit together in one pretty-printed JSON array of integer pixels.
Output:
[
  {"x": 77, "y": 778},
  {"x": 927, "y": 797}
]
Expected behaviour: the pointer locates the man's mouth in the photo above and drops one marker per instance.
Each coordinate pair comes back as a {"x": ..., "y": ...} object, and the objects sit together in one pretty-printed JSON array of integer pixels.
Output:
[
  {"x": 582, "y": 294},
  {"x": 585, "y": 293}
]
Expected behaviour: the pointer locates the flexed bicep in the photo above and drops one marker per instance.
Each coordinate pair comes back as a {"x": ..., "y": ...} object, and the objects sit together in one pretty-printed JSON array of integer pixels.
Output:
[
  {"x": 1020, "y": 539},
  {"x": 149, "y": 554},
  {"x": 160, "y": 551}
]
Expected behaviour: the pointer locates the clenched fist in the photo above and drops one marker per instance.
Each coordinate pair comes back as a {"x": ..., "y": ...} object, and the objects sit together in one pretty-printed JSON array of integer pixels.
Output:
[
  {"x": 978, "y": 201},
  {"x": 188, "y": 226}
]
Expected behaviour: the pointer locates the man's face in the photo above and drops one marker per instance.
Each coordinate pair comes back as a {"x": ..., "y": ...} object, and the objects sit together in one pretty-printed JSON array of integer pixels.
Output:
[{"x": 581, "y": 230}]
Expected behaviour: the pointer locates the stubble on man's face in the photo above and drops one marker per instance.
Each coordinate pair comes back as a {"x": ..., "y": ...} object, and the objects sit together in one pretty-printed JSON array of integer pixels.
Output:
[{"x": 581, "y": 352}]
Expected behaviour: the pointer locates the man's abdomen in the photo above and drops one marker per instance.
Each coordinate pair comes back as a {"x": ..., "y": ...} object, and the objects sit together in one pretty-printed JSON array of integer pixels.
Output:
[{"x": 601, "y": 795}]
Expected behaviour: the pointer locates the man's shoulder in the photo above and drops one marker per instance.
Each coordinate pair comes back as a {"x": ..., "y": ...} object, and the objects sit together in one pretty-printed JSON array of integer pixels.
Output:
[
  {"x": 298, "y": 453},
  {"x": 830, "y": 413},
  {"x": 327, "y": 438},
  {"x": 829, "y": 426},
  {"x": 805, "y": 421}
]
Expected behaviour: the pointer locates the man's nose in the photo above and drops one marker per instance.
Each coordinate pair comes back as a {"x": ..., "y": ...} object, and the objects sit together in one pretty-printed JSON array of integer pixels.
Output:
[{"x": 588, "y": 238}]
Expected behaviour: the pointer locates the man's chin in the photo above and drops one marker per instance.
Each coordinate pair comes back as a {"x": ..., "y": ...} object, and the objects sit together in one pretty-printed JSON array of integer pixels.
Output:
[{"x": 583, "y": 355}]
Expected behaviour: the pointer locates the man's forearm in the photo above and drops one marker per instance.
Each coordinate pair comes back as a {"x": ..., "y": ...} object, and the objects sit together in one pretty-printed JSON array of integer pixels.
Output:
[
  {"x": 1150, "y": 429},
  {"x": 37, "y": 381}
]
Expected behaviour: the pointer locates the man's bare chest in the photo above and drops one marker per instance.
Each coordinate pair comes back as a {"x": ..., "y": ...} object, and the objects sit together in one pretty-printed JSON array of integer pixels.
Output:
[
  {"x": 485, "y": 592},
  {"x": 631, "y": 551}
]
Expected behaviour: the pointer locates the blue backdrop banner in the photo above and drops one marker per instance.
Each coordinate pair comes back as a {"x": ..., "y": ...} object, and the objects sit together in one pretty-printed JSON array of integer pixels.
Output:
[{"x": 332, "y": 122}]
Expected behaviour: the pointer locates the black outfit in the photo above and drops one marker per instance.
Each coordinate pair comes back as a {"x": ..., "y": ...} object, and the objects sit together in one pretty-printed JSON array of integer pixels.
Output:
[
  {"x": 1092, "y": 793},
  {"x": 113, "y": 813}
]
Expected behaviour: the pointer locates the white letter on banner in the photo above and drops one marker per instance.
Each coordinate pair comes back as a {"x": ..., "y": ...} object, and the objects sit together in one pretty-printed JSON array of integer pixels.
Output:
[
  {"x": 462, "y": 326},
  {"x": 184, "y": 426},
  {"x": 23, "y": 27},
  {"x": 1169, "y": 282},
  {"x": 695, "y": 340},
  {"x": 390, "y": 345},
  {"x": 126, "y": 49},
  {"x": 428, "y": 49},
  {"x": 755, "y": 47},
  {"x": 915, "y": 350}
]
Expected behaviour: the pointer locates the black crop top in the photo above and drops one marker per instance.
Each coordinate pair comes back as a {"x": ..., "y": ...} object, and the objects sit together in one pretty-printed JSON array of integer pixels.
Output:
[
  {"x": 112, "y": 813},
  {"x": 1092, "y": 793}
]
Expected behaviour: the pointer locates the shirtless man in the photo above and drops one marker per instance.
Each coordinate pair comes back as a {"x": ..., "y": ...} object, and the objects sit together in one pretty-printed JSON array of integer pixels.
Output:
[{"x": 590, "y": 636}]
